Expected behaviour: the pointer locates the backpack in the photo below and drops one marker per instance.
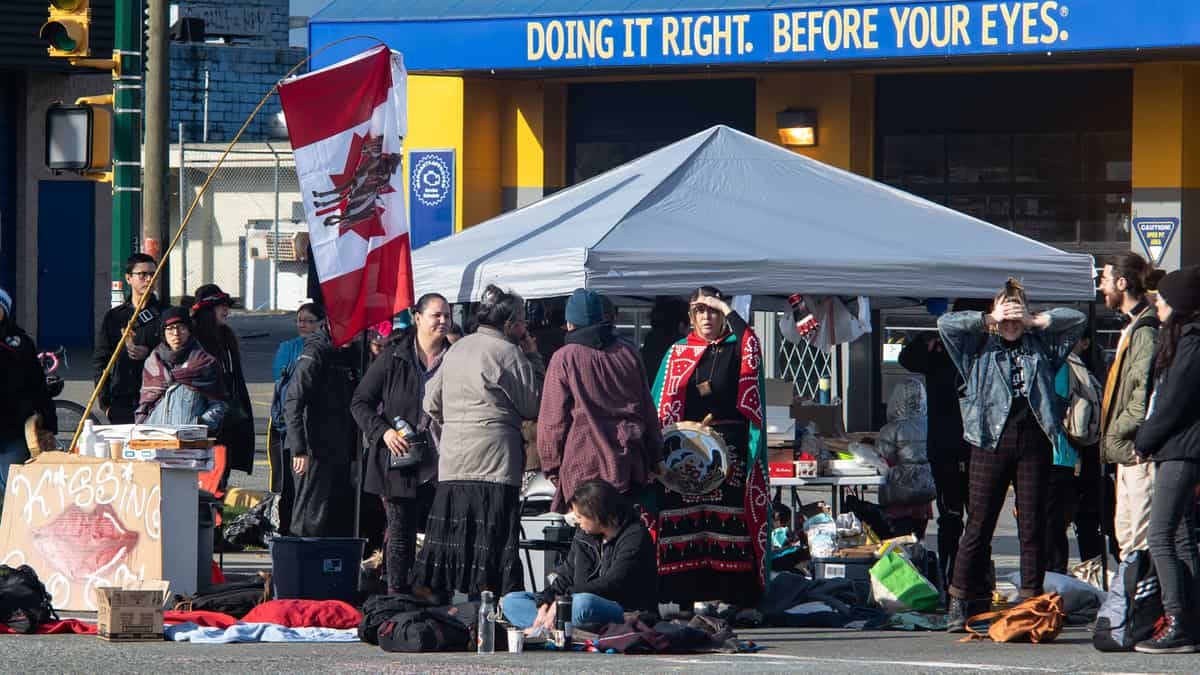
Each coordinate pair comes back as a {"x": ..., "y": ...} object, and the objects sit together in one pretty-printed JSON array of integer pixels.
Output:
[
  {"x": 433, "y": 629},
  {"x": 1037, "y": 620},
  {"x": 1082, "y": 422},
  {"x": 278, "y": 399},
  {"x": 24, "y": 602},
  {"x": 235, "y": 598},
  {"x": 378, "y": 609},
  {"x": 1132, "y": 606}
]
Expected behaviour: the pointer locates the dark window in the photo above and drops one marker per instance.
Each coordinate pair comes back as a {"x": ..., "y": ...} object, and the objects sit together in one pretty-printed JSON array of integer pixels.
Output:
[{"x": 1047, "y": 154}]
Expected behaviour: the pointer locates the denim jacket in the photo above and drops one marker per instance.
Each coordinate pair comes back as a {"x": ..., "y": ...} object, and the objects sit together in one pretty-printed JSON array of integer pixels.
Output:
[{"x": 982, "y": 360}]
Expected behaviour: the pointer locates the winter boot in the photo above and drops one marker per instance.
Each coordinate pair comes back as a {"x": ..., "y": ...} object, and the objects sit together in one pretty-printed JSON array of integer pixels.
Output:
[{"x": 1173, "y": 636}]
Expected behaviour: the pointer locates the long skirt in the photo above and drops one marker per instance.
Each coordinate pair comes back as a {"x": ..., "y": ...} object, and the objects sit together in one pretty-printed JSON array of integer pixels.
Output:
[
  {"x": 705, "y": 551},
  {"x": 471, "y": 540}
]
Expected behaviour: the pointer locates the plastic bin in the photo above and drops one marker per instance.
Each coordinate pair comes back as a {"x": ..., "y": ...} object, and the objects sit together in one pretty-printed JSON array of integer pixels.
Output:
[
  {"x": 857, "y": 570},
  {"x": 316, "y": 568}
]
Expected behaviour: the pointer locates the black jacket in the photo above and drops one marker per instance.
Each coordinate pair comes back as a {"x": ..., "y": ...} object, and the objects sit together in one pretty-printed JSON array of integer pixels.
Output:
[
  {"x": 126, "y": 378},
  {"x": 1172, "y": 429},
  {"x": 942, "y": 383},
  {"x": 393, "y": 380},
  {"x": 624, "y": 570},
  {"x": 317, "y": 409},
  {"x": 237, "y": 429},
  {"x": 22, "y": 382}
]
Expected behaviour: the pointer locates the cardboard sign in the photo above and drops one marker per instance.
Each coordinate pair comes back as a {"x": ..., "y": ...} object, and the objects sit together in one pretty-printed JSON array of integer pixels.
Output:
[
  {"x": 1156, "y": 235},
  {"x": 83, "y": 522}
]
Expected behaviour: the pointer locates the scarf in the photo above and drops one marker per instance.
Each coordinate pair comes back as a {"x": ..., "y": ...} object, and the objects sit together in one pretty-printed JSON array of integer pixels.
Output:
[
  {"x": 670, "y": 389},
  {"x": 189, "y": 366}
]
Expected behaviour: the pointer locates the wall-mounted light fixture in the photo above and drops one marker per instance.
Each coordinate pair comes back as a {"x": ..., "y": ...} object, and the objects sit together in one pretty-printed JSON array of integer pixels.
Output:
[{"x": 797, "y": 128}]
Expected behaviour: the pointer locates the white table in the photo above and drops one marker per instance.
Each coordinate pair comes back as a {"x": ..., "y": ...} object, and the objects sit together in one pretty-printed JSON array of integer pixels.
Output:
[{"x": 835, "y": 483}]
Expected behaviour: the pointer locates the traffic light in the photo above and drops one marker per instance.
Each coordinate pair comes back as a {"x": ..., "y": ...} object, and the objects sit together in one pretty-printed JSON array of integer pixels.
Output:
[
  {"x": 66, "y": 31},
  {"x": 79, "y": 137}
]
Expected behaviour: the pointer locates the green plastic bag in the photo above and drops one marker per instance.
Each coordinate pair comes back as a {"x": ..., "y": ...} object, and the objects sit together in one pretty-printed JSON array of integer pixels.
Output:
[{"x": 898, "y": 587}]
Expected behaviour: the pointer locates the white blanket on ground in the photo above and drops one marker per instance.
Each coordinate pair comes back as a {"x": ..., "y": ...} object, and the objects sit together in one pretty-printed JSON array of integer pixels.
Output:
[{"x": 257, "y": 632}]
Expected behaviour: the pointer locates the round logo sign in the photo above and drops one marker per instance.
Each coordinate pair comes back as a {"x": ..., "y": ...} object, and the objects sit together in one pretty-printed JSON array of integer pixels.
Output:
[{"x": 430, "y": 180}]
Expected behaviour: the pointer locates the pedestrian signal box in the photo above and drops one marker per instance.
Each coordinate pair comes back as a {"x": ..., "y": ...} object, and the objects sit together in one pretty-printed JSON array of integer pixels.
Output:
[{"x": 78, "y": 138}]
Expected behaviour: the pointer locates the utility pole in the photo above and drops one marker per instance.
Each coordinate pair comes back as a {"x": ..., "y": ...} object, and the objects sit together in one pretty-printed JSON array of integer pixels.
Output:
[
  {"x": 155, "y": 220},
  {"x": 127, "y": 134}
]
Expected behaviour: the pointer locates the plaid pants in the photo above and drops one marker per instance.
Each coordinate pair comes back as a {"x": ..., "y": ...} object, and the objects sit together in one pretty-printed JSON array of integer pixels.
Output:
[{"x": 1022, "y": 458}]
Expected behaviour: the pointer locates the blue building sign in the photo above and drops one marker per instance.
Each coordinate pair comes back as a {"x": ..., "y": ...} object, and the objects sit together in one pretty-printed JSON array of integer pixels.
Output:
[
  {"x": 430, "y": 195},
  {"x": 772, "y": 33}
]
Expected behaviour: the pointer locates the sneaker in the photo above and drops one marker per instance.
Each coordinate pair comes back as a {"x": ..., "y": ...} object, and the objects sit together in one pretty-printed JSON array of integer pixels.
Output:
[{"x": 1171, "y": 637}]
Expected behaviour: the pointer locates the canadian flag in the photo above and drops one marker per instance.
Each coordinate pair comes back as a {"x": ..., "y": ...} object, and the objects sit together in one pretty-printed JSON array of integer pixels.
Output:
[{"x": 347, "y": 125}]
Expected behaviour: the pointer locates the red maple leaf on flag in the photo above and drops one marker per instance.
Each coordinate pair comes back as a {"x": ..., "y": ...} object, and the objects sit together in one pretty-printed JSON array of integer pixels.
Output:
[{"x": 353, "y": 203}]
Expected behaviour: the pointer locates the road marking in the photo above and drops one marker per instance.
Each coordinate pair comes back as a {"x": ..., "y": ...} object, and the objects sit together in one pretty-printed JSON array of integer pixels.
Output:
[{"x": 987, "y": 667}]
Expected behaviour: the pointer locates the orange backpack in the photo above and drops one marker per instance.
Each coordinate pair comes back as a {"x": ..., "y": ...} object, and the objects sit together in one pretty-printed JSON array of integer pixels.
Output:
[{"x": 1039, "y": 619}]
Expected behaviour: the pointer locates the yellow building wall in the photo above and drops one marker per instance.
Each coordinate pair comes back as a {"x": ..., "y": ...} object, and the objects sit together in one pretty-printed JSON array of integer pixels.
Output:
[
  {"x": 1166, "y": 153},
  {"x": 522, "y": 143},
  {"x": 480, "y": 182},
  {"x": 435, "y": 120}
]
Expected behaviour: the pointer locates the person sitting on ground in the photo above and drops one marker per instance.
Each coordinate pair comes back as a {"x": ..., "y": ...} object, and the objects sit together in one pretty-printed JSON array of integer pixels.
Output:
[
  {"x": 597, "y": 419},
  {"x": 181, "y": 383},
  {"x": 609, "y": 570}
]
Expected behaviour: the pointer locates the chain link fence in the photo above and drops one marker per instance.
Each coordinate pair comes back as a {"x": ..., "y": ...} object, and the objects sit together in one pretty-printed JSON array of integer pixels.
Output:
[{"x": 247, "y": 234}]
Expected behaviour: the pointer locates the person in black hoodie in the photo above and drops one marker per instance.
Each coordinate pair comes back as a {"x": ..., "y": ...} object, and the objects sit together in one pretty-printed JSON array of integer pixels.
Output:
[
  {"x": 610, "y": 569},
  {"x": 1170, "y": 437},
  {"x": 119, "y": 397},
  {"x": 22, "y": 389},
  {"x": 322, "y": 438},
  {"x": 210, "y": 313},
  {"x": 392, "y": 388}
]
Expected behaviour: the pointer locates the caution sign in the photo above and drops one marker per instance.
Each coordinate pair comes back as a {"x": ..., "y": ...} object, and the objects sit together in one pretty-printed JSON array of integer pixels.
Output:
[{"x": 1156, "y": 235}]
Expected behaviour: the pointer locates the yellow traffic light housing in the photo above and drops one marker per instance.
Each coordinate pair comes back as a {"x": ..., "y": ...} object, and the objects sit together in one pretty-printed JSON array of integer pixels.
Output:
[
  {"x": 79, "y": 137},
  {"x": 66, "y": 30}
]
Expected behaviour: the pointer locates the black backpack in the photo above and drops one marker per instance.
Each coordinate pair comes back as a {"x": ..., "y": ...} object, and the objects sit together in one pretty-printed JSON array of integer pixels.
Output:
[
  {"x": 1132, "y": 607},
  {"x": 235, "y": 598},
  {"x": 278, "y": 399},
  {"x": 24, "y": 602},
  {"x": 434, "y": 629},
  {"x": 379, "y": 608}
]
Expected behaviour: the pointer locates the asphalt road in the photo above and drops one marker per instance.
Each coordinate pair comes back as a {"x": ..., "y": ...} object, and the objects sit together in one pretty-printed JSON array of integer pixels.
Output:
[{"x": 804, "y": 650}]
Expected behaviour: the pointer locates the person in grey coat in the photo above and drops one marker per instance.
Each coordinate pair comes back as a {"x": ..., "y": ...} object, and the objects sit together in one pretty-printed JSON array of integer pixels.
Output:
[{"x": 488, "y": 384}]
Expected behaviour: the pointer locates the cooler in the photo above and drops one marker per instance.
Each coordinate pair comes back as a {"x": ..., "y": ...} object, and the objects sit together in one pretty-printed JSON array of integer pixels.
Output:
[{"x": 316, "y": 568}]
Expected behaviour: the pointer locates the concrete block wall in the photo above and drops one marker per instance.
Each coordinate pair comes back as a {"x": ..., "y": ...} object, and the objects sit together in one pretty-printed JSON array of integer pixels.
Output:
[{"x": 238, "y": 76}]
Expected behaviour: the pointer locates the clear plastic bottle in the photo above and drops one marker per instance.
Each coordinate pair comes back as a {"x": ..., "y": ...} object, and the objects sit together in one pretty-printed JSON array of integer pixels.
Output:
[
  {"x": 87, "y": 440},
  {"x": 486, "y": 642}
]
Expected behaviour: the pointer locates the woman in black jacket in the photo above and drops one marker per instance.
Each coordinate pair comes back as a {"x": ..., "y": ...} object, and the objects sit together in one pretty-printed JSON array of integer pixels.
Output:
[
  {"x": 210, "y": 314},
  {"x": 22, "y": 390},
  {"x": 322, "y": 439},
  {"x": 392, "y": 390},
  {"x": 610, "y": 569},
  {"x": 1170, "y": 437}
]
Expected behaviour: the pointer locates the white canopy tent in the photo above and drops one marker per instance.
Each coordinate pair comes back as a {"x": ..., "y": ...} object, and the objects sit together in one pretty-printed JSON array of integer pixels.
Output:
[{"x": 727, "y": 209}]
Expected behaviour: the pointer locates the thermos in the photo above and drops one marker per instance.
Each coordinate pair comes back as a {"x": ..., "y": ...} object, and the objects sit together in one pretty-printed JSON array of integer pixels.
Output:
[{"x": 562, "y": 621}]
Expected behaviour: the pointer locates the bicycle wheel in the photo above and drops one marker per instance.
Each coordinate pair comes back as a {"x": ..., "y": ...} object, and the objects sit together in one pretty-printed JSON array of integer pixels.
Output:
[{"x": 68, "y": 414}]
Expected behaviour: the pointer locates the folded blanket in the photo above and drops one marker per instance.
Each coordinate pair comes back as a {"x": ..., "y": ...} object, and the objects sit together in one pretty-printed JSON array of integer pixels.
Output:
[
  {"x": 257, "y": 632},
  {"x": 62, "y": 627},
  {"x": 306, "y": 614}
]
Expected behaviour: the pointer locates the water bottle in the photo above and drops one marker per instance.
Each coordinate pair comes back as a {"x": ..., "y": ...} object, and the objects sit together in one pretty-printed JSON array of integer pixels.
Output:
[
  {"x": 87, "y": 440},
  {"x": 485, "y": 643},
  {"x": 563, "y": 611},
  {"x": 404, "y": 428},
  {"x": 823, "y": 391}
]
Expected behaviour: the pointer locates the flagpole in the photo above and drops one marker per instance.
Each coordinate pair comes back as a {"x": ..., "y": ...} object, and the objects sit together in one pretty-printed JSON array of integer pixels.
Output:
[
  {"x": 141, "y": 303},
  {"x": 362, "y": 454}
]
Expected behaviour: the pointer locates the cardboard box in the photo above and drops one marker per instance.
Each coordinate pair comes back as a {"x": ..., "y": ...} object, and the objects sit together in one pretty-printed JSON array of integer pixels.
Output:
[
  {"x": 828, "y": 418},
  {"x": 131, "y": 612}
]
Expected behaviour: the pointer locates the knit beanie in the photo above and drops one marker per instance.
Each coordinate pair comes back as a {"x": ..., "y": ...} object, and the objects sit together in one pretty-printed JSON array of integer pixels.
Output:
[
  {"x": 584, "y": 308},
  {"x": 1181, "y": 290}
]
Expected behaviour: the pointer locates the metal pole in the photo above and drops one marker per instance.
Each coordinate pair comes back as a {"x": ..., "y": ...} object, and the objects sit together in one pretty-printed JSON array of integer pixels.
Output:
[
  {"x": 156, "y": 225},
  {"x": 126, "y": 134},
  {"x": 275, "y": 260},
  {"x": 182, "y": 188},
  {"x": 204, "y": 138}
]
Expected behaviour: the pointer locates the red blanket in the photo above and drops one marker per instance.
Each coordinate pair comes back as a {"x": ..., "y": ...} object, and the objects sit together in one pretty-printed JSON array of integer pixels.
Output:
[
  {"x": 306, "y": 614},
  {"x": 65, "y": 626}
]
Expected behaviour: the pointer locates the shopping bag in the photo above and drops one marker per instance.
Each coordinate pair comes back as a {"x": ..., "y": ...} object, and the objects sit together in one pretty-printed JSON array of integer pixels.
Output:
[
  {"x": 1037, "y": 620},
  {"x": 899, "y": 587}
]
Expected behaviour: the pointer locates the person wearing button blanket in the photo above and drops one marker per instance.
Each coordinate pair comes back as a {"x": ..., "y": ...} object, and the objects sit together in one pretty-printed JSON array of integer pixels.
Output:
[{"x": 1011, "y": 412}]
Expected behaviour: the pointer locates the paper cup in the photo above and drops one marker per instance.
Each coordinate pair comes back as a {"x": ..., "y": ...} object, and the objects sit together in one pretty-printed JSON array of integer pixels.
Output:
[
  {"x": 116, "y": 449},
  {"x": 516, "y": 640}
]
